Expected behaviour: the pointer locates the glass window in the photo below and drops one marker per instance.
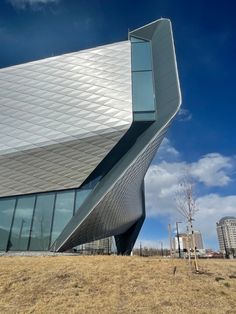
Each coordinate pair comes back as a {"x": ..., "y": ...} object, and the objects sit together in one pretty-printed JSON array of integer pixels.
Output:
[
  {"x": 143, "y": 96},
  {"x": 41, "y": 229},
  {"x": 63, "y": 212},
  {"x": 22, "y": 223},
  {"x": 81, "y": 195},
  {"x": 6, "y": 212},
  {"x": 137, "y": 40},
  {"x": 142, "y": 80},
  {"x": 92, "y": 183},
  {"x": 141, "y": 57}
]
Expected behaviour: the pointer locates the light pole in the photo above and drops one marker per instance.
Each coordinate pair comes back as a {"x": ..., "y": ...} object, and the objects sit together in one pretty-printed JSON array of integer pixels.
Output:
[{"x": 177, "y": 233}]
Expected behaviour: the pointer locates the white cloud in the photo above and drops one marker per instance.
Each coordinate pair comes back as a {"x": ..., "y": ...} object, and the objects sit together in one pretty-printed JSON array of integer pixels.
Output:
[
  {"x": 211, "y": 170},
  {"x": 161, "y": 181},
  {"x": 161, "y": 185},
  {"x": 184, "y": 115},
  {"x": 167, "y": 149},
  {"x": 212, "y": 207},
  {"x": 33, "y": 4}
]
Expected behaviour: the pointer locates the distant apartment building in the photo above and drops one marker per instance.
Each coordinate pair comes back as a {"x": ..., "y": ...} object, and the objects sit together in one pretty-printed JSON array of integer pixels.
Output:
[
  {"x": 198, "y": 240},
  {"x": 226, "y": 231},
  {"x": 186, "y": 240}
]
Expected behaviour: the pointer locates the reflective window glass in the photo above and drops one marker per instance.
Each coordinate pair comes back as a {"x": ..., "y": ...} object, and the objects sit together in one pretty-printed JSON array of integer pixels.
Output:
[
  {"x": 64, "y": 207},
  {"x": 6, "y": 213},
  {"x": 22, "y": 223},
  {"x": 143, "y": 95},
  {"x": 141, "y": 57},
  {"x": 92, "y": 183},
  {"x": 81, "y": 195},
  {"x": 40, "y": 234},
  {"x": 136, "y": 40}
]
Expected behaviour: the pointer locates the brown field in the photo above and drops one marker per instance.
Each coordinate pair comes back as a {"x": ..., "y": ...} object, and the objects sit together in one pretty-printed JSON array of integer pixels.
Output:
[{"x": 114, "y": 284}]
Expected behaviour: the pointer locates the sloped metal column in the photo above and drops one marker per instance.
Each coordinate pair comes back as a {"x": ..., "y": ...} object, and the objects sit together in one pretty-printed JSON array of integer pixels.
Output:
[{"x": 125, "y": 242}]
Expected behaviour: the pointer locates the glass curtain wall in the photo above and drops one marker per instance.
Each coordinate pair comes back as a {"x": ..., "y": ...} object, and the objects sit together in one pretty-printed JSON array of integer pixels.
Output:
[
  {"x": 19, "y": 236},
  {"x": 35, "y": 221},
  {"x": 7, "y": 207},
  {"x": 64, "y": 208},
  {"x": 42, "y": 221},
  {"x": 142, "y": 79}
]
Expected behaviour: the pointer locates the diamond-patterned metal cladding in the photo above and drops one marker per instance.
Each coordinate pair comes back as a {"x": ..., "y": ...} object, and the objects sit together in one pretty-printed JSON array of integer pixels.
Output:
[
  {"x": 116, "y": 203},
  {"x": 59, "y": 117},
  {"x": 119, "y": 209}
]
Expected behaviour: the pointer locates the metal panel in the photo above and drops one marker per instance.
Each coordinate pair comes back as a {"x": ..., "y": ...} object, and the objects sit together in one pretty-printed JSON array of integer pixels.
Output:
[
  {"x": 116, "y": 203},
  {"x": 59, "y": 117}
]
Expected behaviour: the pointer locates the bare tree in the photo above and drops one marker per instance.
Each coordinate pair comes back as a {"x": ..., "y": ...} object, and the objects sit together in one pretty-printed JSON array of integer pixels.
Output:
[{"x": 186, "y": 206}]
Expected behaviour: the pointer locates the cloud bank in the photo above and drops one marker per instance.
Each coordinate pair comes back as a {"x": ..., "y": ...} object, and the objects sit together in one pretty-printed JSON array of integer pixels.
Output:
[
  {"x": 210, "y": 171},
  {"x": 32, "y": 4}
]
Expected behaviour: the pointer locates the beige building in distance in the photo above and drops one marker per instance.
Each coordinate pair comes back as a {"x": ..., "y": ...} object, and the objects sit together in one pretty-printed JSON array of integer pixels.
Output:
[{"x": 185, "y": 241}]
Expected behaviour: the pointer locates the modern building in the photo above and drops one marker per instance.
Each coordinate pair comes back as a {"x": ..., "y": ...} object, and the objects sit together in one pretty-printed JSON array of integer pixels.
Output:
[
  {"x": 77, "y": 135},
  {"x": 198, "y": 240},
  {"x": 186, "y": 240},
  {"x": 226, "y": 231}
]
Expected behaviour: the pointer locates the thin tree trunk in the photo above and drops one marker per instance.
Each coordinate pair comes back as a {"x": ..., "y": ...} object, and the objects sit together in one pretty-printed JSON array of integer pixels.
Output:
[
  {"x": 194, "y": 247},
  {"x": 189, "y": 247}
]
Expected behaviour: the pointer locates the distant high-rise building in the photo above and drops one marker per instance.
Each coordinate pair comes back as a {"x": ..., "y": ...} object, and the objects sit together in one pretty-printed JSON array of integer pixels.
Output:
[
  {"x": 226, "y": 231},
  {"x": 185, "y": 241},
  {"x": 198, "y": 240}
]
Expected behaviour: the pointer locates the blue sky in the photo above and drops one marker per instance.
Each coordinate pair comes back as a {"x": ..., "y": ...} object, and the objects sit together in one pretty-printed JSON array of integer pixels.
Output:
[{"x": 202, "y": 137}]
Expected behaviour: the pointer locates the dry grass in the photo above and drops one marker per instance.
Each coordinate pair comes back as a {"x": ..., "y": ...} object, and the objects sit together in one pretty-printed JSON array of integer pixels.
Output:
[{"x": 113, "y": 284}]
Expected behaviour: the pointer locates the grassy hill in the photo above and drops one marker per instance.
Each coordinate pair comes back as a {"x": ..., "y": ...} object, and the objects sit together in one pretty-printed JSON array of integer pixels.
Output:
[{"x": 114, "y": 284}]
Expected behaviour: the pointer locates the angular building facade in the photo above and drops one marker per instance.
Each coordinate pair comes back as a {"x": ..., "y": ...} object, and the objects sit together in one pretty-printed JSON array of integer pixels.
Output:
[{"x": 78, "y": 133}]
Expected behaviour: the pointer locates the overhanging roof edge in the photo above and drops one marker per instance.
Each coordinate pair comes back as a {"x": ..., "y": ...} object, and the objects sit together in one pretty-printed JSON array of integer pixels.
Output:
[{"x": 147, "y": 31}]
